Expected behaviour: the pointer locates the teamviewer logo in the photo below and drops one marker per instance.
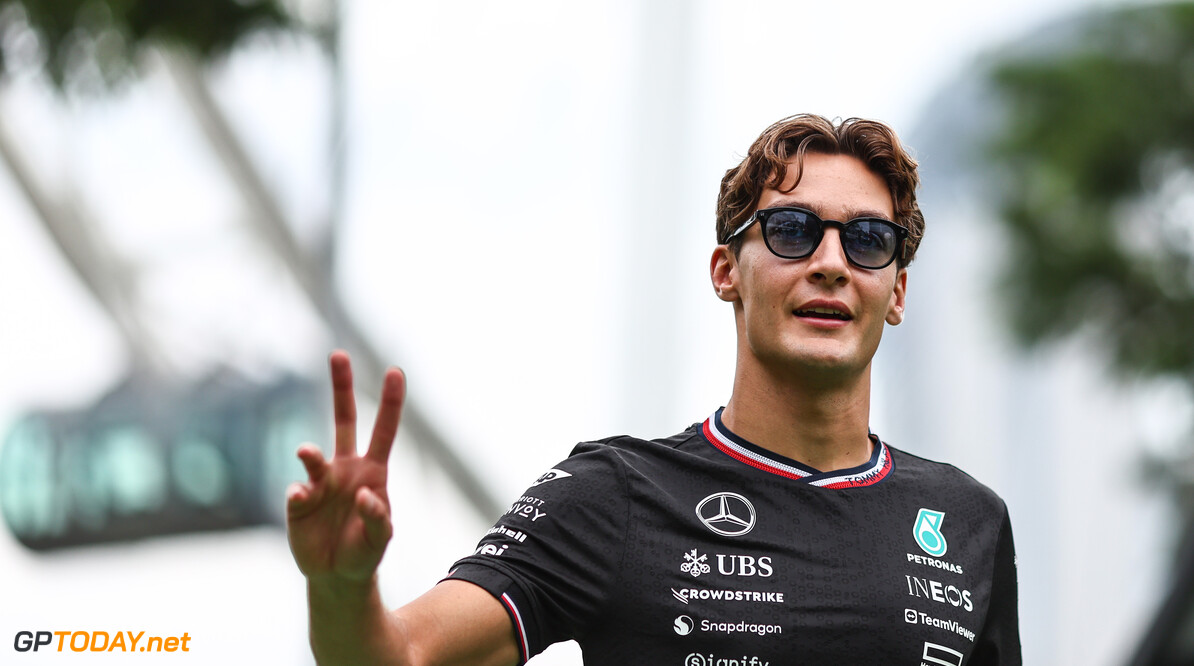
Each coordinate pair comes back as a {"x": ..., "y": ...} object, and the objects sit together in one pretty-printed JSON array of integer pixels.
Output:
[{"x": 910, "y": 616}]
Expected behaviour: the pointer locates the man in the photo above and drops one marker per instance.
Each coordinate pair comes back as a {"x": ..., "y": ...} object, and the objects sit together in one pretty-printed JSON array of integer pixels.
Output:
[{"x": 779, "y": 531}]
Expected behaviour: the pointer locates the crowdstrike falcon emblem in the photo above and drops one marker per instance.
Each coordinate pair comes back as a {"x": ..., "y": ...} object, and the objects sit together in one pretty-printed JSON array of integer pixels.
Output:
[{"x": 727, "y": 514}]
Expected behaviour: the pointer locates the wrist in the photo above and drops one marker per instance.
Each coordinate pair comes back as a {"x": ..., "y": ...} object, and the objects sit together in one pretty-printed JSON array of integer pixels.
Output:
[
  {"x": 343, "y": 590},
  {"x": 348, "y": 623}
]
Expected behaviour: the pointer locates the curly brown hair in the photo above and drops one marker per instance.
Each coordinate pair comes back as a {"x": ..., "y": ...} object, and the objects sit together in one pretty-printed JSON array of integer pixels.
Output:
[{"x": 766, "y": 166}]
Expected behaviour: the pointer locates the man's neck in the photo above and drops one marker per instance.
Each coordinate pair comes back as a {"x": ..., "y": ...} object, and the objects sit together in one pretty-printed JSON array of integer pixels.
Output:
[{"x": 822, "y": 424}]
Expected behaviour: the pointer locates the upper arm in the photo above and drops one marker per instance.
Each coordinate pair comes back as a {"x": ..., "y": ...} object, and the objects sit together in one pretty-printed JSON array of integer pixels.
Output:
[
  {"x": 999, "y": 641},
  {"x": 457, "y": 622}
]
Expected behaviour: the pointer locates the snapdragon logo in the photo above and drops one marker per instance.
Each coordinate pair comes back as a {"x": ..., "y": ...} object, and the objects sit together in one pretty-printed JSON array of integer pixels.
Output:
[
  {"x": 740, "y": 628},
  {"x": 684, "y": 625}
]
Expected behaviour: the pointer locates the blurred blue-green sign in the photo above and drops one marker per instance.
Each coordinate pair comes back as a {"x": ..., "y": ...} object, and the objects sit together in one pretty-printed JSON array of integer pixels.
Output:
[{"x": 152, "y": 459}]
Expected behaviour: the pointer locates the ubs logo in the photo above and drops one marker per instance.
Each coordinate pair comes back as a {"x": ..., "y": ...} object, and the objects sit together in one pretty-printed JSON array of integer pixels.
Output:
[{"x": 727, "y": 514}]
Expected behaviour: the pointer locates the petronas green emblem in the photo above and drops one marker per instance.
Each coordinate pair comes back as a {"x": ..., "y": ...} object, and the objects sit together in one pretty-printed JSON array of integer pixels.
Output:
[{"x": 928, "y": 532}]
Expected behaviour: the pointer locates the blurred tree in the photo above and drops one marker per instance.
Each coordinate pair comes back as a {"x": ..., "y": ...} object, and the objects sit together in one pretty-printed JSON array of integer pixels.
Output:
[
  {"x": 84, "y": 38},
  {"x": 1097, "y": 188},
  {"x": 1095, "y": 164}
]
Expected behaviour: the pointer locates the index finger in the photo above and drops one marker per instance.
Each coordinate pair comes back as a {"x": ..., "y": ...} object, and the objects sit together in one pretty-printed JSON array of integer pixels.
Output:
[
  {"x": 344, "y": 405},
  {"x": 389, "y": 411}
]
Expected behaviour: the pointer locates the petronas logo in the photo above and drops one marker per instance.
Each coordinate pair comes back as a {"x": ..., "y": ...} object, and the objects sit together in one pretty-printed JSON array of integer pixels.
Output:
[{"x": 928, "y": 532}]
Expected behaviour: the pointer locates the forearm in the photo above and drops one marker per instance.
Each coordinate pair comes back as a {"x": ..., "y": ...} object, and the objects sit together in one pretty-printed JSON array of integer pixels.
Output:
[{"x": 350, "y": 625}]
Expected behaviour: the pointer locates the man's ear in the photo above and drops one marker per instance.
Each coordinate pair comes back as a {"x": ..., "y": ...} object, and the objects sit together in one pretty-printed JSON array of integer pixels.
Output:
[
  {"x": 723, "y": 270},
  {"x": 895, "y": 310}
]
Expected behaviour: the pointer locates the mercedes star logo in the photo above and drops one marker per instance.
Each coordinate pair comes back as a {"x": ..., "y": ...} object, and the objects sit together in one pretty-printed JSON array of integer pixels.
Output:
[{"x": 727, "y": 514}]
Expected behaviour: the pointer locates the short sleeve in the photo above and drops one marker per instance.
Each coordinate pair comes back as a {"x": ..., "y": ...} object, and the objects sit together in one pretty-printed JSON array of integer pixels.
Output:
[
  {"x": 999, "y": 642},
  {"x": 552, "y": 558}
]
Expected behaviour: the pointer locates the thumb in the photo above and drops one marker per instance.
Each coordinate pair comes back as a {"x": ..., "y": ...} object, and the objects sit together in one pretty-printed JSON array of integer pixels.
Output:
[{"x": 375, "y": 514}]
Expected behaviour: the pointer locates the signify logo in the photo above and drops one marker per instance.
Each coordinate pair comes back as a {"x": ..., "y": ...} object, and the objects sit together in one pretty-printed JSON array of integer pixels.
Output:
[
  {"x": 98, "y": 641},
  {"x": 698, "y": 659}
]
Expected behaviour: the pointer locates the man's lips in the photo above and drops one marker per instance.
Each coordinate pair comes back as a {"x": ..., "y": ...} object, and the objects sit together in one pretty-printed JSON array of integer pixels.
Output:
[{"x": 822, "y": 309}]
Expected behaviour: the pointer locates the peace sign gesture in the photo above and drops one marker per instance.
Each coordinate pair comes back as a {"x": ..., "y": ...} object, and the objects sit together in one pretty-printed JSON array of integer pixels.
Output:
[{"x": 338, "y": 521}]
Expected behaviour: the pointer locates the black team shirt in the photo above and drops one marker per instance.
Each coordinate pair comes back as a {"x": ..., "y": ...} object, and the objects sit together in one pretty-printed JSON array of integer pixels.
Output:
[{"x": 704, "y": 550}]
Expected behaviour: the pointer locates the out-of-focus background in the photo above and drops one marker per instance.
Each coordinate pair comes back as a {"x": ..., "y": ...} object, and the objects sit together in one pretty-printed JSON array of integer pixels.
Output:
[{"x": 514, "y": 202}]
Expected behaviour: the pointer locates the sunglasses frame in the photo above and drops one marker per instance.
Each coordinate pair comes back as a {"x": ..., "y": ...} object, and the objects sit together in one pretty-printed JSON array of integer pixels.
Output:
[{"x": 763, "y": 215}]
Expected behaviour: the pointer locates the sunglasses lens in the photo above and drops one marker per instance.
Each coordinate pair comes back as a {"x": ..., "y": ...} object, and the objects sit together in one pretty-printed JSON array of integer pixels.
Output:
[
  {"x": 870, "y": 243},
  {"x": 792, "y": 233}
]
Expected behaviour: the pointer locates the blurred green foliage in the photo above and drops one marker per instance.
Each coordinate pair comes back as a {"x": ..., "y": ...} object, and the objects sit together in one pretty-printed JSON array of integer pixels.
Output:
[
  {"x": 100, "y": 40},
  {"x": 1096, "y": 164}
]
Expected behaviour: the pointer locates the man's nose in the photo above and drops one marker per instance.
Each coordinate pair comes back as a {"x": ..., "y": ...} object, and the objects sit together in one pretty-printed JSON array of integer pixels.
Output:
[{"x": 828, "y": 261}]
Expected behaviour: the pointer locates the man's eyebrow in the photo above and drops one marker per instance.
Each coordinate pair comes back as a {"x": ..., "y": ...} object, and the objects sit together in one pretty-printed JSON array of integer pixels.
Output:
[{"x": 852, "y": 214}]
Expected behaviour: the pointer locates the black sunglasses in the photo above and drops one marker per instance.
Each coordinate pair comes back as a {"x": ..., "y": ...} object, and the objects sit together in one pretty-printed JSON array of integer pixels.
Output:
[{"x": 795, "y": 233}]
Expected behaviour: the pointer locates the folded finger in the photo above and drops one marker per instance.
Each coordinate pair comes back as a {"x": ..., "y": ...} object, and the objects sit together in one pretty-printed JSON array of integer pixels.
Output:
[
  {"x": 299, "y": 500},
  {"x": 312, "y": 459},
  {"x": 376, "y": 517},
  {"x": 344, "y": 404},
  {"x": 389, "y": 412}
]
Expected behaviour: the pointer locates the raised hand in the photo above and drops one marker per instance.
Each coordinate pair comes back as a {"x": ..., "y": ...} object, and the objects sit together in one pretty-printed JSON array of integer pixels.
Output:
[{"x": 338, "y": 521}]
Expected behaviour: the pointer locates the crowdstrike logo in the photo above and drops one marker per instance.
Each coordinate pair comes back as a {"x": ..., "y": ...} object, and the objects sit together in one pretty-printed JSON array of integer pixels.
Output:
[
  {"x": 727, "y": 514},
  {"x": 687, "y": 594}
]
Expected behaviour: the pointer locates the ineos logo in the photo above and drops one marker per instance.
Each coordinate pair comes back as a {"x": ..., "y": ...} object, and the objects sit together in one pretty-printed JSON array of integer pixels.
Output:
[{"x": 727, "y": 514}]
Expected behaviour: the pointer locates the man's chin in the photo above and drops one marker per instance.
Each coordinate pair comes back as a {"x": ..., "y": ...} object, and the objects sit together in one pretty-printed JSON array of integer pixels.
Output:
[{"x": 832, "y": 365}]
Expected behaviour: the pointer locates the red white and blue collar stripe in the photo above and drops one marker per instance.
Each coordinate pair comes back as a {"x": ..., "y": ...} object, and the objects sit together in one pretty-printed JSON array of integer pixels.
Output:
[{"x": 873, "y": 471}]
